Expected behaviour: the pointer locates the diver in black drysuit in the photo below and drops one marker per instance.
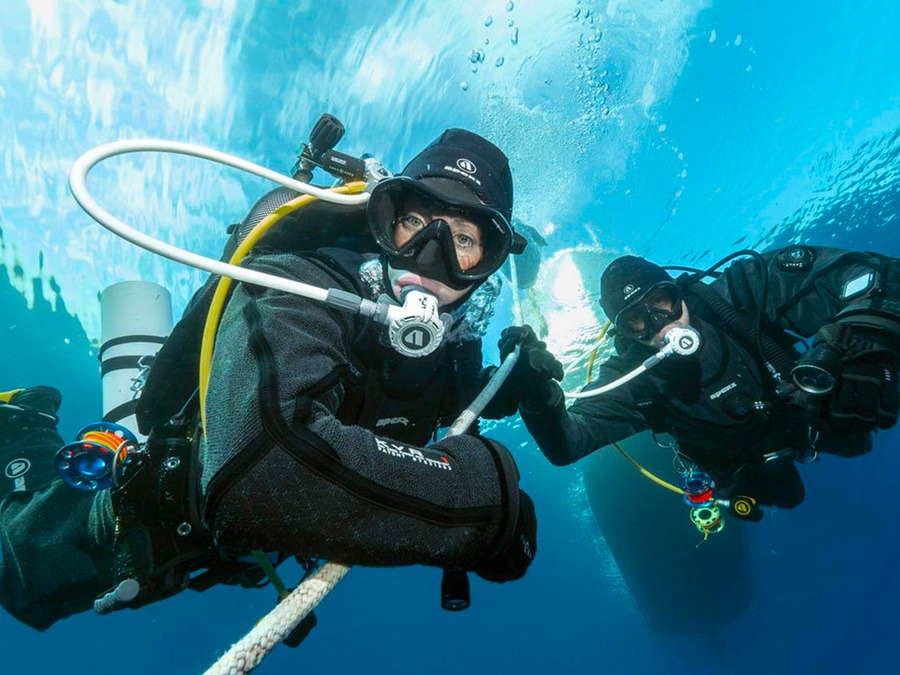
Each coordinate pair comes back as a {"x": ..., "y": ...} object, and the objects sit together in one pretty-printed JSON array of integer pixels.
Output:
[
  {"x": 729, "y": 414},
  {"x": 319, "y": 435}
]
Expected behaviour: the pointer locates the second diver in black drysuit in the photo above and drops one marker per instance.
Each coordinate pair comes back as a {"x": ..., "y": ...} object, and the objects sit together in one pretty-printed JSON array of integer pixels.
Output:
[{"x": 734, "y": 408}]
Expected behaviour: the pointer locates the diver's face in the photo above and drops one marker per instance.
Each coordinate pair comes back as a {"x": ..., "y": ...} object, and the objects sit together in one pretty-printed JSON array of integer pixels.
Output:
[
  {"x": 467, "y": 241},
  {"x": 657, "y": 341},
  {"x": 658, "y": 311}
]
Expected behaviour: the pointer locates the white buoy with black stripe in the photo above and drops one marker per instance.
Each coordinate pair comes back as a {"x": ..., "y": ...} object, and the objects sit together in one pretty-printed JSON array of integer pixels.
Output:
[{"x": 135, "y": 319}]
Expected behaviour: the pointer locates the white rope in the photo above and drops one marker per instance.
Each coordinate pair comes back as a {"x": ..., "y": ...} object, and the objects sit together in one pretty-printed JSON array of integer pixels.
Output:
[
  {"x": 470, "y": 414},
  {"x": 514, "y": 287},
  {"x": 246, "y": 654}
]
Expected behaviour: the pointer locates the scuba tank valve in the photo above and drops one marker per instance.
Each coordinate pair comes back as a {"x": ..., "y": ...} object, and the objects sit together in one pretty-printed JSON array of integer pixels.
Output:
[{"x": 319, "y": 152}]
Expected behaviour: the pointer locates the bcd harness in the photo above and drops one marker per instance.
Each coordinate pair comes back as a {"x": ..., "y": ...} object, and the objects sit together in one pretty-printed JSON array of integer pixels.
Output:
[{"x": 774, "y": 342}]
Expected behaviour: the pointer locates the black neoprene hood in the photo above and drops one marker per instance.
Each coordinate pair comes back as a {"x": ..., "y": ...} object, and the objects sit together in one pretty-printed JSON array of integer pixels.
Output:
[
  {"x": 625, "y": 282},
  {"x": 470, "y": 160}
]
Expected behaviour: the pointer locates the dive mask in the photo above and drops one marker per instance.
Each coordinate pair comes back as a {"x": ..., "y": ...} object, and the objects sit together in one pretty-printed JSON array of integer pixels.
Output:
[
  {"x": 658, "y": 307},
  {"x": 434, "y": 250}
]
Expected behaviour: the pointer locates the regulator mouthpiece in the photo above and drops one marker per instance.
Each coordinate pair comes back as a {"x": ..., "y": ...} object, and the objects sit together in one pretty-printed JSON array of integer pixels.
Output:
[
  {"x": 416, "y": 328},
  {"x": 682, "y": 340}
]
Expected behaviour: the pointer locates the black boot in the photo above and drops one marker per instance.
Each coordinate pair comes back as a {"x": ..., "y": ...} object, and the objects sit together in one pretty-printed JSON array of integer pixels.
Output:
[{"x": 28, "y": 438}]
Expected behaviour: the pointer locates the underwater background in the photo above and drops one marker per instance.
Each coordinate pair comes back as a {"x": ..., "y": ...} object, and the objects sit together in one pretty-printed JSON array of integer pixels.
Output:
[{"x": 680, "y": 131}]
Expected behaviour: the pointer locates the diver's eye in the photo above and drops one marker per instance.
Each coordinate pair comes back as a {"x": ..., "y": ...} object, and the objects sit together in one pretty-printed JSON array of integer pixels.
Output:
[
  {"x": 635, "y": 322},
  {"x": 661, "y": 300},
  {"x": 464, "y": 241},
  {"x": 411, "y": 222}
]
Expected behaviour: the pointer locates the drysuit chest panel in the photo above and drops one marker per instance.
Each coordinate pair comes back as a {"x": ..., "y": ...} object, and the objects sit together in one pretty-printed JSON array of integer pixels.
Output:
[
  {"x": 719, "y": 403},
  {"x": 396, "y": 396}
]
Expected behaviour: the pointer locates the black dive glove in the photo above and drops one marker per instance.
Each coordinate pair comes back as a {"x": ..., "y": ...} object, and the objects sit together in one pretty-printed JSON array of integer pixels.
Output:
[
  {"x": 866, "y": 393},
  {"x": 513, "y": 560},
  {"x": 529, "y": 380},
  {"x": 865, "y": 396}
]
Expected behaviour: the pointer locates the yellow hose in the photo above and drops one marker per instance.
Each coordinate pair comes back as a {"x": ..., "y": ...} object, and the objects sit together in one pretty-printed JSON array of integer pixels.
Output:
[
  {"x": 220, "y": 297},
  {"x": 659, "y": 481},
  {"x": 655, "y": 479},
  {"x": 600, "y": 338}
]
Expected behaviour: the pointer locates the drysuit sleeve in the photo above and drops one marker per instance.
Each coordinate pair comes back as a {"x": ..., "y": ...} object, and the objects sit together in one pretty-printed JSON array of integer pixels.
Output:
[
  {"x": 807, "y": 287},
  {"x": 565, "y": 436},
  {"x": 282, "y": 472}
]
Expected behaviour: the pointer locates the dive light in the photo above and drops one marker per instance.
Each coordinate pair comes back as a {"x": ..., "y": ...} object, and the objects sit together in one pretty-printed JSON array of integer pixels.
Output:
[{"x": 817, "y": 370}]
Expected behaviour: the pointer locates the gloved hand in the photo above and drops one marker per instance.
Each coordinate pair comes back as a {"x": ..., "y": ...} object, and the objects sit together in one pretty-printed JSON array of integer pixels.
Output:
[
  {"x": 535, "y": 360},
  {"x": 512, "y": 562},
  {"x": 865, "y": 396},
  {"x": 866, "y": 393},
  {"x": 535, "y": 367}
]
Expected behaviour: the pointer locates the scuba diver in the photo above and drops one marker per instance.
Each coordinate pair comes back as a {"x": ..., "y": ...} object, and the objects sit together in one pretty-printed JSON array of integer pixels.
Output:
[
  {"x": 320, "y": 431},
  {"x": 746, "y": 405}
]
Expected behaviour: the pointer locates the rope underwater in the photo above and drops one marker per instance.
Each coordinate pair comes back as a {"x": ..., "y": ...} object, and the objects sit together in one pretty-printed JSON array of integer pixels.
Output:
[{"x": 247, "y": 653}]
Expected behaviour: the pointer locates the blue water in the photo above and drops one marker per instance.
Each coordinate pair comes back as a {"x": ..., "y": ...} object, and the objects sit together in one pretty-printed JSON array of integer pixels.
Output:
[{"x": 676, "y": 130}]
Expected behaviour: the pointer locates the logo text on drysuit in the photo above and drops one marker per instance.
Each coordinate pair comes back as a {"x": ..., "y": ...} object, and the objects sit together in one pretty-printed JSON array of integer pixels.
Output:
[
  {"x": 436, "y": 460},
  {"x": 389, "y": 421}
]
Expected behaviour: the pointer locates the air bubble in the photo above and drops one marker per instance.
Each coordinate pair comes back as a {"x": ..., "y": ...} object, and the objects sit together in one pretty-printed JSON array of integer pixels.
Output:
[
  {"x": 500, "y": 61},
  {"x": 510, "y": 23},
  {"x": 514, "y": 36},
  {"x": 476, "y": 55},
  {"x": 464, "y": 86},
  {"x": 510, "y": 6},
  {"x": 488, "y": 20},
  {"x": 474, "y": 68}
]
